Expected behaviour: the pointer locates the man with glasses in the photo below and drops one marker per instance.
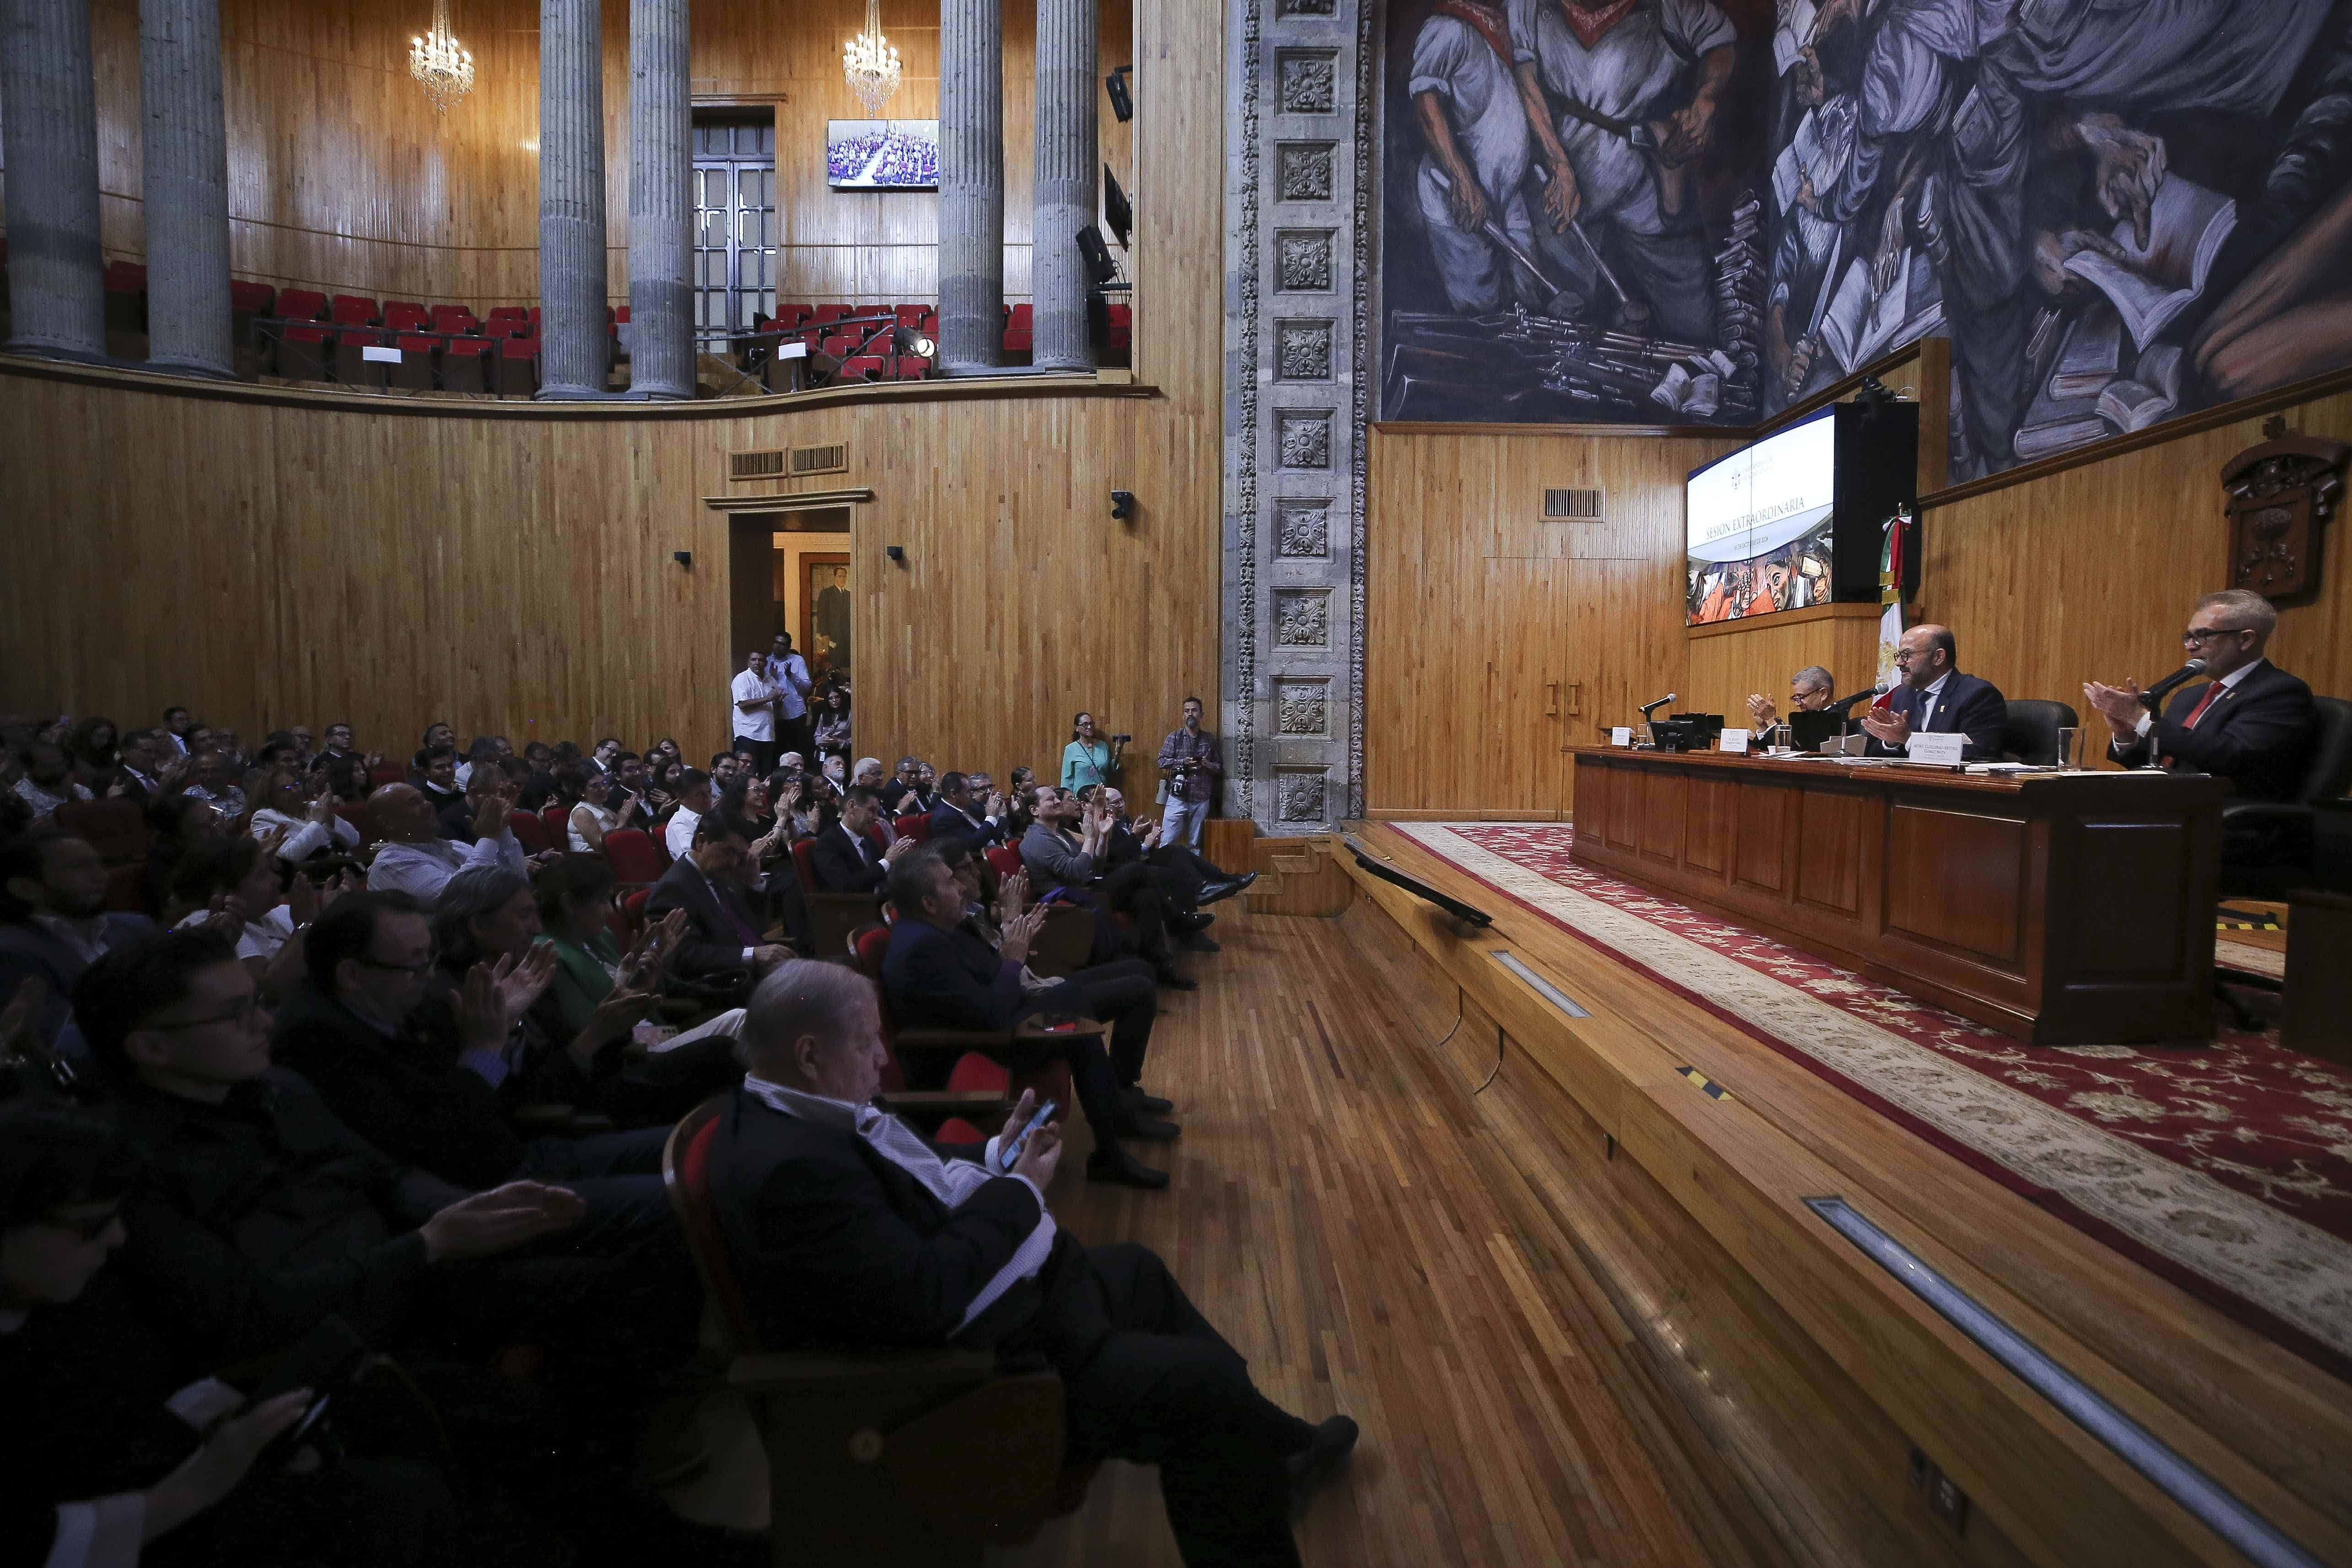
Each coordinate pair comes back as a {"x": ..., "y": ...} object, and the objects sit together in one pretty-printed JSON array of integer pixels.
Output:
[
  {"x": 1935, "y": 698},
  {"x": 2250, "y": 722}
]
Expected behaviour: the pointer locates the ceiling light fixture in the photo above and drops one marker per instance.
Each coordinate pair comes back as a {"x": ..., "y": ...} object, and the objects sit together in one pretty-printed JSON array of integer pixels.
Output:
[
  {"x": 442, "y": 67},
  {"x": 870, "y": 64}
]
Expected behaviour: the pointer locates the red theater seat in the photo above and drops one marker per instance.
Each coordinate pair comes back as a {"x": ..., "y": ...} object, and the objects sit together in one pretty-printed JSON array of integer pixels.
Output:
[
  {"x": 356, "y": 309},
  {"x": 465, "y": 364},
  {"x": 912, "y": 367},
  {"x": 415, "y": 371},
  {"x": 1020, "y": 331},
  {"x": 125, "y": 277},
  {"x": 301, "y": 304},
  {"x": 405, "y": 315},
  {"x": 518, "y": 367},
  {"x": 252, "y": 298},
  {"x": 862, "y": 368},
  {"x": 352, "y": 367},
  {"x": 304, "y": 353}
]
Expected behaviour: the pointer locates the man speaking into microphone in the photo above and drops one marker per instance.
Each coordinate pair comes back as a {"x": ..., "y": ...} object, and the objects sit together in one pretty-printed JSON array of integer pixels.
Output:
[{"x": 2251, "y": 723}]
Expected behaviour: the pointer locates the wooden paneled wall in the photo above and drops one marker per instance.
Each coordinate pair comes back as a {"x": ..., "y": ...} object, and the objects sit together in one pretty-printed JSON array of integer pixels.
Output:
[
  {"x": 264, "y": 558},
  {"x": 1728, "y": 663},
  {"x": 342, "y": 176}
]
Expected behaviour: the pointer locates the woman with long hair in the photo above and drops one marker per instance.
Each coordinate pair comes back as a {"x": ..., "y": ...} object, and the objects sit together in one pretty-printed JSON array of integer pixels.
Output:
[{"x": 1086, "y": 760}]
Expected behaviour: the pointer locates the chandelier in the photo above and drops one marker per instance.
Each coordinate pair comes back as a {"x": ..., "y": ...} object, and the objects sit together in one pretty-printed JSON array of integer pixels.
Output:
[
  {"x": 440, "y": 66},
  {"x": 870, "y": 64}
]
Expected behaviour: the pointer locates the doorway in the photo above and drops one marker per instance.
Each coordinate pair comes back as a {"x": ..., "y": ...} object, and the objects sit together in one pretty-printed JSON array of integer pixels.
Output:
[{"x": 791, "y": 571}]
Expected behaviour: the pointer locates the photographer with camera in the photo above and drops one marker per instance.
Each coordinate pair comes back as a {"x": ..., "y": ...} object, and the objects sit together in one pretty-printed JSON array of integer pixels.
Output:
[{"x": 1189, "y": 770}]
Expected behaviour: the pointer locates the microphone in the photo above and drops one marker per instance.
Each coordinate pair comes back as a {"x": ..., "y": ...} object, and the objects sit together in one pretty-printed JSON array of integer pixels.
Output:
[
  {"x": 1845, "y": 702},
  {"x": 2155, "y": 695},
  {"x": 1649, "y": 708}
]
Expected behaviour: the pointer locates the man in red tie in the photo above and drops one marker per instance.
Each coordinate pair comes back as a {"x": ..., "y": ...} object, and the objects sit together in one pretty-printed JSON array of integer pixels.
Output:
[{"x": 2251, "y": 723}]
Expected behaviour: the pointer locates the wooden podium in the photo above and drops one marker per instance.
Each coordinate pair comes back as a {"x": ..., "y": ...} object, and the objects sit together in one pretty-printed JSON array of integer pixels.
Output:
[{"x": 2064, "y": 909}]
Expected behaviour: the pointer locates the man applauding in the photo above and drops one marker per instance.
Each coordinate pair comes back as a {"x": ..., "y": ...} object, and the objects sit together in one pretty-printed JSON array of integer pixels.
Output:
[{"x": 1935, "y": 698}]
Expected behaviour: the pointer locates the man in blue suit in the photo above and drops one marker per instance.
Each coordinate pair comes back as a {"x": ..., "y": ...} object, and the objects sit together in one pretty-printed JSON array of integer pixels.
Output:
[
  {"x": 54, "y": 924},
  {"x": 1935, "y": 698}
]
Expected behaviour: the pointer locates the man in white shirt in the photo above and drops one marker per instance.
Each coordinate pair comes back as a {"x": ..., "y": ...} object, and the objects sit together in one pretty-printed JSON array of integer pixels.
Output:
[
  {"x": 1473, "y": 171},
  {"x": 693, "y": 800},
  {"x": 844, "y": 1226},
  {"x": 754, "y": 710},
  {"x": 309, "y": 822},
  {"x": 416, "y": 860},
  {"x": 789, "y": 674},
  {"x": 48, "y": 781}
]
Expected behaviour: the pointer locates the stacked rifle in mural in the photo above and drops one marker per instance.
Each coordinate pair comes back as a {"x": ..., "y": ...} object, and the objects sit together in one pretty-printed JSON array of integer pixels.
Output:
[{"x": 1681, "y": 211}]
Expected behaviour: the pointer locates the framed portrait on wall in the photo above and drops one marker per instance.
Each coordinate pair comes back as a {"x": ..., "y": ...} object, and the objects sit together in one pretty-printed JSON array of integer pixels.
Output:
[
  {"x": 824, "y": 611},
  {"x": 882, "y": 154}
]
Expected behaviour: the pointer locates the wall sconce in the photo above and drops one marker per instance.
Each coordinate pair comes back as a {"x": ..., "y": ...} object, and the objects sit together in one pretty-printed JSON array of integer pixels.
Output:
[
  {"x": 684, "y": 558},
  {"x": 1122, "y": 504},
  {"x": 896, "y": 552}
]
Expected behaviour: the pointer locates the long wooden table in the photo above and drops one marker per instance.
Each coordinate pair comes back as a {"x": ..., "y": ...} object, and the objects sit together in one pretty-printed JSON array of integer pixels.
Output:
[{"x": 2073, "y": 908}]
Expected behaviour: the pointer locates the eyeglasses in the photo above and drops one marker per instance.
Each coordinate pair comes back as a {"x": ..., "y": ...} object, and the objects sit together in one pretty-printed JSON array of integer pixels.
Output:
[
  {"x": 2196, "y": 635},
  {"x": 237, "y": 1013}
]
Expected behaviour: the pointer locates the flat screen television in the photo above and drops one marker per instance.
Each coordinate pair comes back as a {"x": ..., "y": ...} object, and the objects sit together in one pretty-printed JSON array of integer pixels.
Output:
[{"x": 1794, "y": 520}]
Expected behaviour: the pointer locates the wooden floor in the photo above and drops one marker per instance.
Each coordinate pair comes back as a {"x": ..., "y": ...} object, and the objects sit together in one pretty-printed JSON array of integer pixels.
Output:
[{"x": 1344, "y": 1212}]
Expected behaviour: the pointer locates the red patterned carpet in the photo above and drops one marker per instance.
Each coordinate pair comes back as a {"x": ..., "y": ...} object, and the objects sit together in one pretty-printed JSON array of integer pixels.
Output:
[{"x": 2228, "y": 1168}]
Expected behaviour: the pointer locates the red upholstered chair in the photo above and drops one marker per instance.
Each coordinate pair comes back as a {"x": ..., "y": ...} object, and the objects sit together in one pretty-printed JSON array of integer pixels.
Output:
[
  {"x": 384, "y": 773},
  {"x": 832, "y": 915},
  {"x": 1020, "y": 331},
  {"x": 1122, "y": 325},
  {"x": 632, "y": 910},
  {"x": 454, "y": 319},
  {"x": 792, "y": 318},
  {"x": 911, "y": 368},
  {"x": 559, "y": 825},
  {"x": 352, "y": 367},
  {"x": 910, "y": 314},
  {"x": 304, "y": 354},
  {"x": 465, "y": 364},
  {"x": 631, "y": 854},
  {"x": 246, "y": 303},
  {"x": 506, "y": 327},
  {"x": 518, "y": 367},
  {"x": 405, "y": 315},
  {"x": 882, "y": 1458},
  {"x": 969, "y": 1059},
  {"x": 861, "y": 368},
  {"x": 355, "y": 812},
  {"x": 914, "y": 825},
  {"x": 415, "y": 371},
  {"x": 115, "y": 828},
  {"x": 531, "y": 313},
  {"x": 1004, "y": 858},
  {"x": 357, "y": 310},
  {"x": 302, "y": 305},
  {"x": 825, "y": 314},
  {"x": 840, "y": 345},
  {"x": 529, "y": 832}
]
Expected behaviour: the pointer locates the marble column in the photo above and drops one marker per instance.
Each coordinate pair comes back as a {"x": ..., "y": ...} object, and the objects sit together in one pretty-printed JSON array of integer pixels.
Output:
[
  {"x": 48, "y": 138},
  {"x": 1066, "y": 168},
  {"x": 573, "y": 345},
  {"x": 971, "y": 184},
  {"x": 661, "y": 202},
  {"x": 186, "y": 187}
]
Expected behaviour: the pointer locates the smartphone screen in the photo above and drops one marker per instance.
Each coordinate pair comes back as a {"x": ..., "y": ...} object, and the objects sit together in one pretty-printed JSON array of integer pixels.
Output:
[{"x": 1010, "y": 1155}]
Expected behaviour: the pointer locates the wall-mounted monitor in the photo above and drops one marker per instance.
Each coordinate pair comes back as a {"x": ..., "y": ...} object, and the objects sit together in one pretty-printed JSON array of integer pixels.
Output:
[
  {"x": 1794, "y": 520},
  {"x": 882, "y": 154}
]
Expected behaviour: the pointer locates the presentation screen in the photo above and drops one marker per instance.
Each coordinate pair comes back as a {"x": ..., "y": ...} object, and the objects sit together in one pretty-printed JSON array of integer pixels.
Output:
[{"x": 1759, "y": 525}]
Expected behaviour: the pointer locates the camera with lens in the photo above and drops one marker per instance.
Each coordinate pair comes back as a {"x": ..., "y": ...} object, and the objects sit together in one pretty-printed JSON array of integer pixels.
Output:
[{"x": 1123, "y": 739}]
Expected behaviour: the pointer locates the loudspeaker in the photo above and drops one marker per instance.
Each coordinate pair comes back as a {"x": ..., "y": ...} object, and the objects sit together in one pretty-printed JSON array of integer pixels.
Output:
[
  {"x": 1100, "y": 268},
  {"x": 1115, "y": 210}
]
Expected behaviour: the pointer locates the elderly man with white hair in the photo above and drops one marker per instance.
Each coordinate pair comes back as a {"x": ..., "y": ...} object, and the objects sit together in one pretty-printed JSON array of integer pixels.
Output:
[{"x": 848, "y": 1228}]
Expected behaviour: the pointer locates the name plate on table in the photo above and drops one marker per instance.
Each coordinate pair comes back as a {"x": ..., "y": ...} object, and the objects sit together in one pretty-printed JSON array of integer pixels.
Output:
[
  {"x": 1733, "y": 740},
  {"x": 1937, "y": 748},
  {"x": 1620, "y": 735},
  {"x": 380, "y": 356}
]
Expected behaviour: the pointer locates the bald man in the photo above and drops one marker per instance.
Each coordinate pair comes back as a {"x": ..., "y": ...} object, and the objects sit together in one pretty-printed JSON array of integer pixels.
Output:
[
  {"x": 415, "y": 858},
  {"x": 1935, "y": 698}
]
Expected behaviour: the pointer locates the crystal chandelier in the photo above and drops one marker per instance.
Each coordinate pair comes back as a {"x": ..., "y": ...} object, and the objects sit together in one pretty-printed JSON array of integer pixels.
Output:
[
  {"x": 870, "y": 64},
  {"x": 440, "y": 66}
]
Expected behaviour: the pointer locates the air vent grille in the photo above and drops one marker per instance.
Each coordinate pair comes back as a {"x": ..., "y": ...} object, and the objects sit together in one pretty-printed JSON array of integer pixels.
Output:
[
  {"x": 834, "y": 459},
  {"x": 1572, "y": 505},
  {"x": 756, "y": 465}
]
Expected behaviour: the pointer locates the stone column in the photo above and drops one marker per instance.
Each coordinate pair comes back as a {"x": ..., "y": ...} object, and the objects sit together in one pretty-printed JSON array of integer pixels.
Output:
[
  {"x": 1066, "y": 161},
  {"x": 661, "y": 202},
  {"x": 971, "y": 184},
  {"x": 186, "y": 187},
  {"x": 48, "y": 118},
  {"x": 573, "y": 345}
]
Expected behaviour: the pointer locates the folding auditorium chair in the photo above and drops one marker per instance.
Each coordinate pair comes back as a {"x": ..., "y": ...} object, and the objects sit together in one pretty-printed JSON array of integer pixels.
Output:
[
  {"x": 911, "y": 316},
  {"x": 792, "y": 318},
  {"x": 832, "y": 915},
  {"x": 246, "y": 303},
  {"x": 406, "y": 315},
  {"x": 924, "y": 1055},
  {"x": 125, "y": 283},
  {"x": 304, "y": 353},
  {"x": 465, "y": 364},
  {"x": 914, "y": 825},
  {"x": 355, "y": 812},
  {"x": 518, "y": 367},
  {"x": 861, "y": 368},
  {"x": 415, "y": 371},
  {"x": 302, "y": 305},
  {"x": 634, "y": 860},
  {"x": 1020, "y": 334},
  {"x": 384, "y": 773},
  {"x": 888, "y": 1459},
  {"x": 357, "y": 310},
  {"x": 559, "y": 825},
  {"x": 454, "y": 319},
  {"x": 530, "y": 830},
  {"x": 826, "y": 315},
  {"x": 352, "y": 367}
]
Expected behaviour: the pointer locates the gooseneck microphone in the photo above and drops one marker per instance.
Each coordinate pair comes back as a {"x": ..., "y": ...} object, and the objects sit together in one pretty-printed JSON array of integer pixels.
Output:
[
  {"x": 1845, "y": 702},
  {"x": 2154, "y": 697},
  {"x": 1649, "y": 708}
]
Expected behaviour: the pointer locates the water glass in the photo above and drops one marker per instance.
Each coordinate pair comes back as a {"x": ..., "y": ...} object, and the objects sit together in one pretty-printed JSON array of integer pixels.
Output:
[{"x": 2069, "y": 739}]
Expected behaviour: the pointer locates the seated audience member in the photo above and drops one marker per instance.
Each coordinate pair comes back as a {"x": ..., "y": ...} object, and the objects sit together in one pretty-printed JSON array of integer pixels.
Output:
[
  {"x": 114, "y": 1457},
  {"x": 1811, "y": 690},
  {"x": 847, "y": 860},
  {"x": 833, "y": 724},
  {"x": 846, "y": 1227},
  {"x": 793, "y": 793},
  {"x": 48, "y": 781},
  {"x": 438, "y": 734},
  {"x": 941, "y": 972},
  {"x": 723, "y": 933},
  {"x": 747, "y": 801},
  {"x": 54, "y": 922},
  {"x": 261, "y": 1213},
  {"x": 575, "y": 902},
  {"x": 90, "y": 748},
  {"x": 1202, "y": 882},
  {"x": 436, "y": 779},
  {"x": 968, "y": 809},
  {"x": 212, "y": 778},
  {"x": 631, "y": 780},
  {"x": 668, "y": 749},
  {"x": 145, "y": 771},
  {"x": 1064, "y": 859},
  {"x": 604, "y": 760},
  {"x": 229, "y": 884},
  {"x": 415, "y": 858},
  {"x": 485, "y": 781},
  {"x": 302, "y": 818},
  {"x": 346, "y": 768},
  {"x": 178, "y": 725},
  {"x": 175, "y": 824},
  {"x": 694, "y": 792},
  {"x": 903, "y": 793},
  {"x": 1934, "y": 697},
  {"x": 867, "y": 771},
  {"x": 594, "y": 816}
]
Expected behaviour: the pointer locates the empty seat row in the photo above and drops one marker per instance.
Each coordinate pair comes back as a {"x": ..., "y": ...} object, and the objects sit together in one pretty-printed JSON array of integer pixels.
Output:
[{"x": 508, "y": 366}]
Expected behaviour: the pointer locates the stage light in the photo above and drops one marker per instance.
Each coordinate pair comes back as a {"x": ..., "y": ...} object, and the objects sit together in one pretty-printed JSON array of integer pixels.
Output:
[
  {"x": 1121, "y": 104},
  {"x": 907, "y": 340}
]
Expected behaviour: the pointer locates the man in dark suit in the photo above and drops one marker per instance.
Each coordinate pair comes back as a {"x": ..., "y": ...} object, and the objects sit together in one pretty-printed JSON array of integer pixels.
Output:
[
  {"x": 2251, "y": 723},
  {"x": 1935, "y": 698},
  {"x": 722, "y": 934},
  {"x": 846, "y": 1227},
  {"x": 941, "y": 972},
  {"x": 968, "y": 809},
  {"x": 54, "y": 924},
  {"x": 140, "y": 779},
  {"x": 847, "y": 860}
]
